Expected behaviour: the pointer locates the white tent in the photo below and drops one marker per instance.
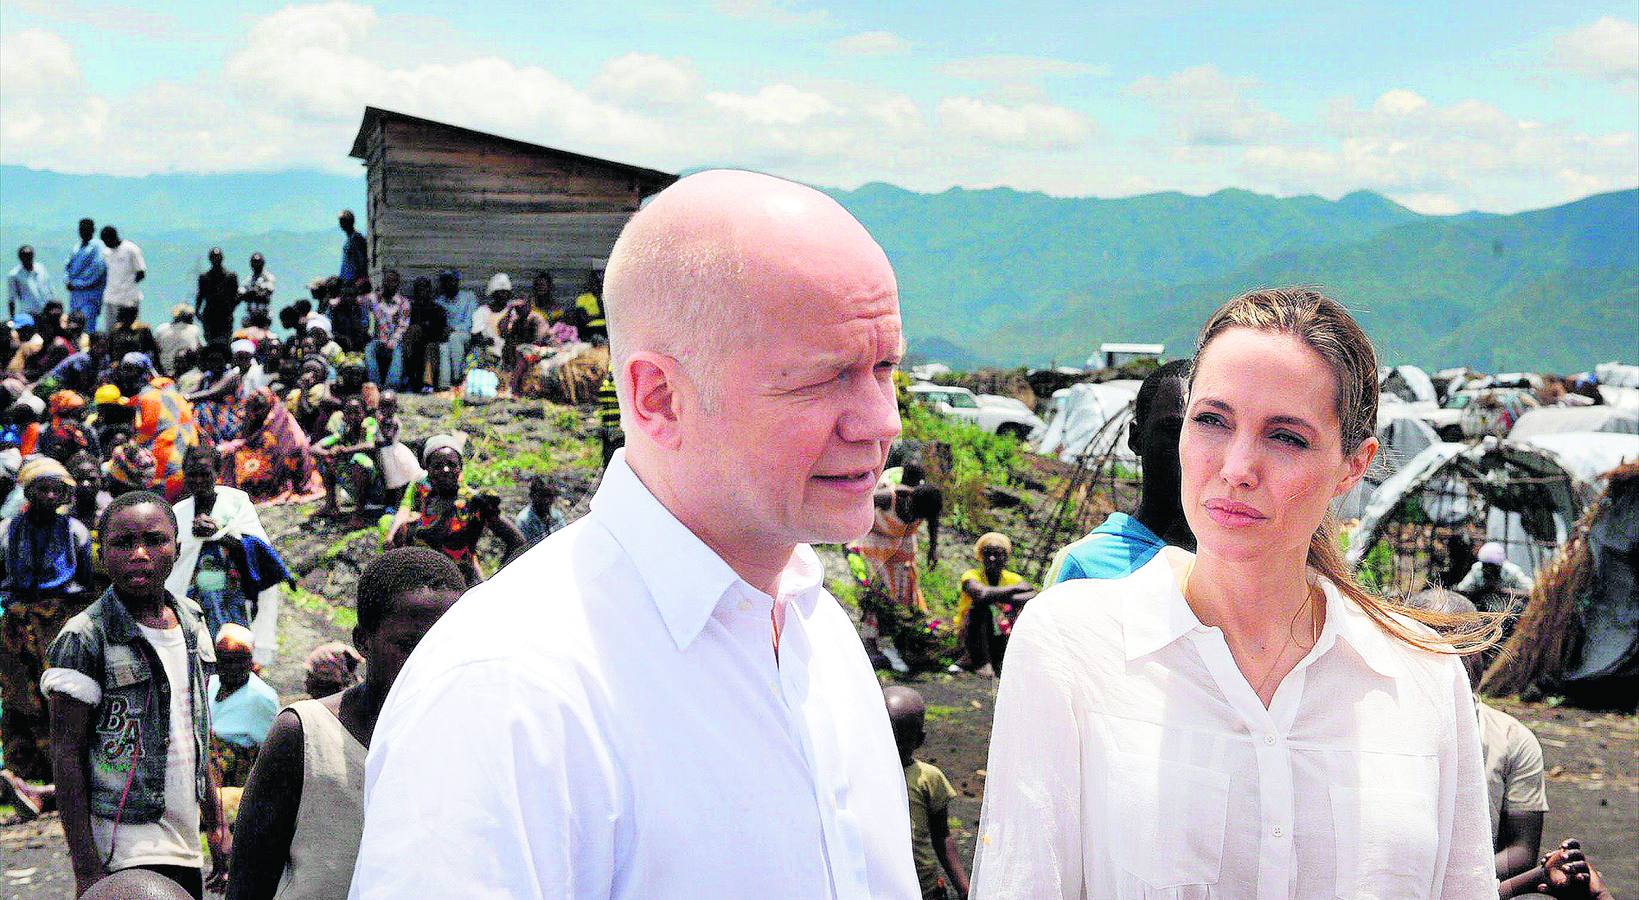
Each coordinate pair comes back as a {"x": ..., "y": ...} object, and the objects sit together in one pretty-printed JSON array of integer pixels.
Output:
[
  {"x": 1573, "y": 419},
  {"x": 1090, "y": 419},
  {"x": 1548, "y": 478},
  {"x": 1618, "y": 384},
  {"x": 1401, "y": 439},
  {"x": 1410, "y": 384}
]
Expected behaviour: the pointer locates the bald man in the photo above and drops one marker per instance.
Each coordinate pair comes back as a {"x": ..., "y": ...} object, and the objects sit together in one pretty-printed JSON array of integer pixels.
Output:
[
  {"x": 662, "y": 700},
  {"x": 136, "y": 884}
]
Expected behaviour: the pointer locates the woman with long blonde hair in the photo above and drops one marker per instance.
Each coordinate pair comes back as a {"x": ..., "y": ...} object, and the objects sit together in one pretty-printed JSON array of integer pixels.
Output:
[{"x": 1246, "y": 721}]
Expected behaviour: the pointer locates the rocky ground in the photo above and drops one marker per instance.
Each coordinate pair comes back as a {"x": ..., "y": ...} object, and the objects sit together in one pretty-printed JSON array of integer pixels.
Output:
[{"x": 1593, "y": 758}]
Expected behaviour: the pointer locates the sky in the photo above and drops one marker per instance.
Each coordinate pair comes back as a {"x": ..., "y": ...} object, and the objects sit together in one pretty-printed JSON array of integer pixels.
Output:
[{"x": 1496, "y": 106}]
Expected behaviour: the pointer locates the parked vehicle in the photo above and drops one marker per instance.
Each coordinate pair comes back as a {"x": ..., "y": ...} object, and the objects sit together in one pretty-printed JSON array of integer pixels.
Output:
[{"x": 997, "y": 415}]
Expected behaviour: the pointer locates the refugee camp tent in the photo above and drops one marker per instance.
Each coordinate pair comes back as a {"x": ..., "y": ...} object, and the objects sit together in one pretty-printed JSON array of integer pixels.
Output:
[
  {"x": 1618, "y": 384},
  {"x": 1524, "y": 495},
  {"x": 1401, "y": 438},
  {"x": 1410, "y": 384},
  {"x": 1090, "y": 420},
  {"x": 1579, "y": 633},
  {"x": 1563, "y": 419}
]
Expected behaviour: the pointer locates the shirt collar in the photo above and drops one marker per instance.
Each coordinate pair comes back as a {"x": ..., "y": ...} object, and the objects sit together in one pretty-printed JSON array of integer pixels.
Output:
[
  {"x": 685, "y": 578},
  {"x": 1352, "y": 626},
  {"x": 1154, "y": 613}
]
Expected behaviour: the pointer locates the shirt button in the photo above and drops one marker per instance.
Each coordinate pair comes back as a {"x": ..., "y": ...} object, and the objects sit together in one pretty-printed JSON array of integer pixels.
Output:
[
  {"x": 1279, "y": 831},
  {"x": 1269, "y": 739}
]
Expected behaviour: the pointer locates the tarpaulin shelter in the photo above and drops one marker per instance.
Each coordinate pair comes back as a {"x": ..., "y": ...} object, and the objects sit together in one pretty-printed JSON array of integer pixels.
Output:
[
  {"x": 1086, "y": 421},
  {"x": 1570, "y": 419},
  {"x": 1422, "y": 524},
  {"x": 1410, "y": 384}
]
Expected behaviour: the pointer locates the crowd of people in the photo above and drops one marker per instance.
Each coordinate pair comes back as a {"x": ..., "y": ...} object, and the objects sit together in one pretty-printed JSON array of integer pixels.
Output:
[{"x": 1180, "y": 703}]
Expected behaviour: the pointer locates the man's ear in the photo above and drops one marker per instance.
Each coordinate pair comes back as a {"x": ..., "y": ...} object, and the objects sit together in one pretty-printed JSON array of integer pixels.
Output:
[{"x": 653, "y": 388}]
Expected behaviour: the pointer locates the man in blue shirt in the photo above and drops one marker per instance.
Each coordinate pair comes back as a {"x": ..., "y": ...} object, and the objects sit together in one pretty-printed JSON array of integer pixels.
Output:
[
  {"x": 28, "y": 286},
  {"x": 86, "y": 274},
  {"x": 1123, "y": 543},
  {"x": 459, "y": 307}
]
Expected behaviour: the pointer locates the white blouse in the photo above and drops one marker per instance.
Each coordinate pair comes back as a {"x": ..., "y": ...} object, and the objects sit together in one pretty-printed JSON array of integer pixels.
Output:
[{"x": 1131, "y": 759}]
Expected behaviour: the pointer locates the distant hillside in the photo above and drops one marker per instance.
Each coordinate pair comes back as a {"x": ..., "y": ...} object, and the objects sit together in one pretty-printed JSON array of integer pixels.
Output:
[{"x": 1008, "y": 277}]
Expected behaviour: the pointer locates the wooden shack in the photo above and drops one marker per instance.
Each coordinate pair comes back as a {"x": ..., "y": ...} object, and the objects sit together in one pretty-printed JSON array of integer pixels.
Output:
[{"x": 442, "y": 196}]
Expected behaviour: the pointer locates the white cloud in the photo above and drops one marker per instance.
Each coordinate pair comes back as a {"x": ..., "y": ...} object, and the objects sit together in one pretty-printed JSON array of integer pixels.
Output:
[
  {"x": 872, "y": 43},
  {"x": 1607, "y": 49},
  {"x": 776, "y": 104},
  {"x": 1433, "y": 158},
  {"x": 36, "y": 61},
  {"x": 1209, "y": 108},
  {"x": 642, "y": 79},
  {"x": 1034, "y": 125}
]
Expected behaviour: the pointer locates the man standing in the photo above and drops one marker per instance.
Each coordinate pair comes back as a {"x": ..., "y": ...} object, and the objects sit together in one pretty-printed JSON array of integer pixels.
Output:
[
  {"x": 126, "y": 268},
  {"x": 86, "y": 274},
  {"x": 215, "y": 300},
  {"x": 355, "y": 252},
  {"x": 256, "y": 292},
  {"x": 28, "y": 286},
  {"x": 705, "y": 722},
  {"x": 1122, "y": 544}
]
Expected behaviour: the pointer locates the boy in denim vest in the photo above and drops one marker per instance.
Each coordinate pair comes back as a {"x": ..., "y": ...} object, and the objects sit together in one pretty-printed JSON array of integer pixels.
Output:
[{"x": 130, "y": 721}]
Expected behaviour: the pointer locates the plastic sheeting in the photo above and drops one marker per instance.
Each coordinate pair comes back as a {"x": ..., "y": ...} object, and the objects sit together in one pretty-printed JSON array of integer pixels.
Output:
[
  {"x": 1090, "y": 420},
  {"x": 1564, "y": 419},
  {"x": 1410, "y": 384},
  {"x": 1401, "y": 439},
  {"x": 1534, "y": 488}
]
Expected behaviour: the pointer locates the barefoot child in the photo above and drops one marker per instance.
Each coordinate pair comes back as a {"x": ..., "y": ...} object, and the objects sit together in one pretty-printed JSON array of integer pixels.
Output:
[
  {"x": 932, "y": 844},
  {"x": 302, "y": 815}
]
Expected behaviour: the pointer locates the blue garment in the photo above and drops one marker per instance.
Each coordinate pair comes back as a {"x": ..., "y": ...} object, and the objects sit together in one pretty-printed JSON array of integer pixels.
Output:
[
  {"x": 85, "y": 275},
  {"x": 1118, "y": 547},
  {"x": 533, "y": 529},
  {"x": 244, "y": 717},
  {"x": 54, "y": 560},
  {"x": 355, "y": 258},
  {"x": 28, "y": 290},
  {"x": 264, "y": 567},
  {"x": 459, "y": 310}
]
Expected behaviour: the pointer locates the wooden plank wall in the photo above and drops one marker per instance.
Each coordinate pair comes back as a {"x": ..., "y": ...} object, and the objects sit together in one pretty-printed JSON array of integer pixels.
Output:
[{"x": 441, "y": 199}]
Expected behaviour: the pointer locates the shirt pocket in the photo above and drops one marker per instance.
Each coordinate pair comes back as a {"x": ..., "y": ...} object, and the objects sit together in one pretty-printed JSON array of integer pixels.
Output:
[
  {"x": 1387, "y": 841},
  {"x": 1168, "y": 820}
]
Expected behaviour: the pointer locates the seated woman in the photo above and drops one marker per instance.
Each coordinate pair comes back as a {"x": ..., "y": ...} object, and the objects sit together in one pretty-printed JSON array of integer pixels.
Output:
[
  {"x": 349, "y": 451},
  {"x": 130, "y": 467},
  {"x": 309, "y": 401},
  {"x": 217, "y": 405},
  {"x": 444, "y": 517},
  {"x": 271, "y": 459},
  {"x": 242, "y": 705},
  {"x": 164, "y": 424},
  {"x": 991, "y": 598},
  {"x": 226, "y": 563}
]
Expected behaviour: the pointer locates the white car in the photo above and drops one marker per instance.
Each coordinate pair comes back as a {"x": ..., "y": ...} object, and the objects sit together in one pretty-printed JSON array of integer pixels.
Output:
[{"x": 998, "y": 415}]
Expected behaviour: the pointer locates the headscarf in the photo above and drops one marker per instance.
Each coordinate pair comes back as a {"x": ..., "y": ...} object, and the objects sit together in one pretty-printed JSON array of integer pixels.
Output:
[
  {"x": 42, "y": 467},
  {"x": 141, "y": 360},
  {"x": 242, "y": 345},
  {"x": 320, "y": 322},
  {"x": 34, "y": 403},
  {"x": 233, "y": 637},
  {"x": 992, "y": 539},
  {"x": 65, "y": 402},
  {"x": 456, "y": 441},
  {"x": 108, "y": 393},
  {"x": 1491, "y": 552}
]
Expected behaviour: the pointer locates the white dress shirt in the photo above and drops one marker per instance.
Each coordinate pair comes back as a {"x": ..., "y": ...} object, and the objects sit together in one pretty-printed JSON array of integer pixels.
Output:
[
  {"x": 606, "y": 718},
  {"x": 124, "y": 262},
  {"x": 1131, "y": 759}
]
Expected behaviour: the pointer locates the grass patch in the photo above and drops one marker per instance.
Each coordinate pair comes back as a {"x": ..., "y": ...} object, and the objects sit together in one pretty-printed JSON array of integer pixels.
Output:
[
  {"x": 344, "y": 617},
  {"x": 341, "y": 544},
  {"x": 938, "y": 713}
]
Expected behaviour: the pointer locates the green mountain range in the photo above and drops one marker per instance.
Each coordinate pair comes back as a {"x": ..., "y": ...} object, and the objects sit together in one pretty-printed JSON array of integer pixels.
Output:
[{"x": 1007, "y": 277}]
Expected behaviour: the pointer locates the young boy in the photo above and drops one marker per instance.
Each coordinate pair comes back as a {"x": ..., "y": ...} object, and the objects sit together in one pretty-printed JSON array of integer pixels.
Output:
[
  {"x": 130, "y": 719},
  {"x": 932, "y": 844},
  {"x": 45, "y": 578},
  {"x": 302, "y": 815}
]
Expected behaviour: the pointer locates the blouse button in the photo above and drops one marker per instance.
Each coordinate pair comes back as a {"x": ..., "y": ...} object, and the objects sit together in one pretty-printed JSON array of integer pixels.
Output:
[
  {"x": 1269, "y": 739},
  {"x": 1279, "y": 831}
]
